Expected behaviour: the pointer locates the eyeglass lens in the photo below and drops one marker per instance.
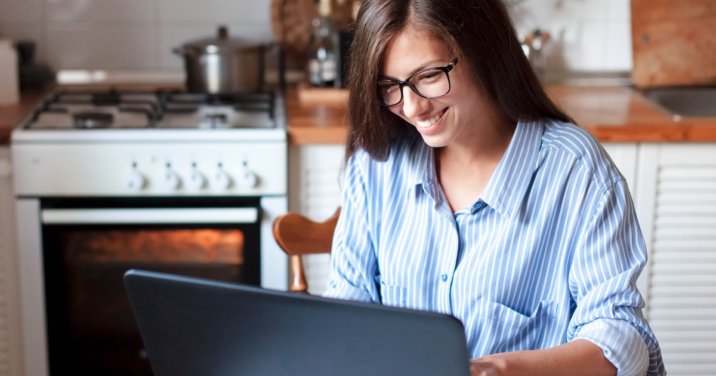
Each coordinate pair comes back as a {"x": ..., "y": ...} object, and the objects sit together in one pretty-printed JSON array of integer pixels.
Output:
[{"x": 430, "y": 83}]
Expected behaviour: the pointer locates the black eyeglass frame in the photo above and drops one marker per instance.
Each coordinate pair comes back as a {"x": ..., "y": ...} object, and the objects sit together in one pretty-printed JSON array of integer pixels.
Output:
[{"x": 445, "y": 69}]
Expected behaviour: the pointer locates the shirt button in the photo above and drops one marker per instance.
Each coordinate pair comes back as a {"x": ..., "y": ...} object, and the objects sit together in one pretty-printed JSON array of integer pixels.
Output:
[{"x": 443, "y": 277}]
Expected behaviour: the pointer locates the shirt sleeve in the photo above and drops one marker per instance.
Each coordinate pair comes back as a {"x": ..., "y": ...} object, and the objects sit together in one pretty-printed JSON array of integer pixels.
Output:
[
  {"x": 609, "y": 256},
  {"x": 353, "y": 264}
]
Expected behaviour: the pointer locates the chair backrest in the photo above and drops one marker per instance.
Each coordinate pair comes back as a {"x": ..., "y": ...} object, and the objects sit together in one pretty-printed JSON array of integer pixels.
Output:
[{"x": 298, "y": 235}]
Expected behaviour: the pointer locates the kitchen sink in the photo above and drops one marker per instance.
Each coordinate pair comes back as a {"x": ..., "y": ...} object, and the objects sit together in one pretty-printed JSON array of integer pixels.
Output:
[{"x": 685, "y": 101}]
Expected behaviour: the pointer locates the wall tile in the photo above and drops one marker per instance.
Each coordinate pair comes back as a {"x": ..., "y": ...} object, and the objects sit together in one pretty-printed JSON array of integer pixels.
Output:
[
  {"x": 115, "y": 11},
  {"x": 214, "y": 11},
  {"x": 21, "y": 11},
  {"x": 543, "y": 13},
  {"x": 579, "y": 32},
  {"x": 592, "y": 47},
  {"x": 620, "y": 10},
  {"x": 91, "y": 46},
  {"x": 618, "y": 50}
]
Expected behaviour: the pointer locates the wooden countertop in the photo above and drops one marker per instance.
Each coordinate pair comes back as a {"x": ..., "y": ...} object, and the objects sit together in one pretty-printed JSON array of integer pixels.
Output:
[
  {"x": 610, "y": 113},
  {"x": 11, "y": 114}
]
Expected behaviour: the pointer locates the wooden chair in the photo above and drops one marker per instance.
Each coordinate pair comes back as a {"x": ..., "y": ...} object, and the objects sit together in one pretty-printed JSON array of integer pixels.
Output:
[{"x": 297, "y": 236}]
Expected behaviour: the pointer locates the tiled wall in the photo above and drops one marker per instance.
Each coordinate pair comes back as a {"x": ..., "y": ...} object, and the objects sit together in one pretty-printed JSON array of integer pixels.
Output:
[
  {"x": 587, "y": 35},
  {"x": 127, "y": 34}
]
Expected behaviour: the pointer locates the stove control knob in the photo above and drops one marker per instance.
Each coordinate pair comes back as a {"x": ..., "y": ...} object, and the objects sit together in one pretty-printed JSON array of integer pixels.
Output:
[
  {"x": 222, "y": 180},
  {"x": 247, "y": 178},
  {"x": 172, "y": 181},
  {"x": 136, "y": 181},
  {"x": 197, "y": 180}
]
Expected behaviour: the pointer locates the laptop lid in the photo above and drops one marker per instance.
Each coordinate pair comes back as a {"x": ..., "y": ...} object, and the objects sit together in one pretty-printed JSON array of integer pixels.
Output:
[{"x": 193, "y": 326}]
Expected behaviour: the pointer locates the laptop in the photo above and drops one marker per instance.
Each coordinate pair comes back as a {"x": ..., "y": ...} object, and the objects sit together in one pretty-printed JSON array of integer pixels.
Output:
[{"x": 194, "y": 326}]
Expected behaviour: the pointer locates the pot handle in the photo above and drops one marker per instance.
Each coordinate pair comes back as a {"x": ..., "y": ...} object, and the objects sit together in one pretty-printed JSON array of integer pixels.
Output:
[{"x": 184, "y": 51}]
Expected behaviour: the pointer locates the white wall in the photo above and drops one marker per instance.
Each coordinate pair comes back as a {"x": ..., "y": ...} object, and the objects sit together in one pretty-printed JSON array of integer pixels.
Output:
[
  {"x": 588, "y": 35},
  {"x": 127, "y": 34}
]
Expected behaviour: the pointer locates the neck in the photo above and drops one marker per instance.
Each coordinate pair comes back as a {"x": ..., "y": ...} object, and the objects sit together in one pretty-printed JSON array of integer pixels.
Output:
[
  {"x": 483, "y": 145},
  {"x": 464, "y": 168}
]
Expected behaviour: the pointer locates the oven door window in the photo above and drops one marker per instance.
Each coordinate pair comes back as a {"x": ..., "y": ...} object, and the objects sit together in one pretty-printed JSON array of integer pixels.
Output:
[{"x": 87, "y": 249}]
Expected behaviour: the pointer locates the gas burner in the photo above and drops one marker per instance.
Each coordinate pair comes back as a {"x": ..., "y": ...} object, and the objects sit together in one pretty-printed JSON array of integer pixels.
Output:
[
  {"x": 89, "y": 110},
  {"x": 218, "y": 111},
  {"x": 92, "y": 120}
]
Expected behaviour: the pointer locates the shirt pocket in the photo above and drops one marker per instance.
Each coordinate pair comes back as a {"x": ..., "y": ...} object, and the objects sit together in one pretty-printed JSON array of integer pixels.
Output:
[
  {"x": 509, "y": 330},
  {"x": 391, "y": 294}
]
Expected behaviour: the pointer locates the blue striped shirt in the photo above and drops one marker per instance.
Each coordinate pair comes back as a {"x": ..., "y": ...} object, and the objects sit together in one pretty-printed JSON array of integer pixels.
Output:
[{"x": 550, "y": 252}]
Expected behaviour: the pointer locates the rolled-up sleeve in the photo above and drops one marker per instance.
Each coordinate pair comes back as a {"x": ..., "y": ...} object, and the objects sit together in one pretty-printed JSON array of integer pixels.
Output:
[
  {"x": 353, "y": 262},
  {"x": 609, "y": 255}
]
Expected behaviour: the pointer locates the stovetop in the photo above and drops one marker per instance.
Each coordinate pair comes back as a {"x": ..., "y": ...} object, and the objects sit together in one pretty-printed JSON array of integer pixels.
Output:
[{"x": 117, "y": 110}]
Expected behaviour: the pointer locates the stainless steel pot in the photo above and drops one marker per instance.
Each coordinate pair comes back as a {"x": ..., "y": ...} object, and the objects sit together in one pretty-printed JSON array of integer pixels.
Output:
[{"x": 222, "y": 64}]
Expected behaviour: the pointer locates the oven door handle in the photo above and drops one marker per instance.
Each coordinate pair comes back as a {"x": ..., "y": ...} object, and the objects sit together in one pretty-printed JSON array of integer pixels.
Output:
[{"x": 158, "y": 216}]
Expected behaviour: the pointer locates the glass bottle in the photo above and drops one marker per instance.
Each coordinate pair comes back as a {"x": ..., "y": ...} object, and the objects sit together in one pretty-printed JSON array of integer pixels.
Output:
[{"x": 322, "y": 59}]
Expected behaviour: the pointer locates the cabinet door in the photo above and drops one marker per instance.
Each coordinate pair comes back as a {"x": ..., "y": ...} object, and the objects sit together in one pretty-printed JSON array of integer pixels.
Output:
[
  {"x": 625, "y": 157},
  {"x": 314, "y": 173},
  {"x": 677, "y": 209},
  {"x": 9, "y": 303}
]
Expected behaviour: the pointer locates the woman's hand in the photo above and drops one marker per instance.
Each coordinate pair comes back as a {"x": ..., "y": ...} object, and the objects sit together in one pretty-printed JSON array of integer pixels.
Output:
[
  {"x": 579, "y": 358},
  {"x": 492, "y": 365}
]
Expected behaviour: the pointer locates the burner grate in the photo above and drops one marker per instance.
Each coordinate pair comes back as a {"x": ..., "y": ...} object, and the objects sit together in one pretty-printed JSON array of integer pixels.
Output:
[{"x": 76, "y": 109}]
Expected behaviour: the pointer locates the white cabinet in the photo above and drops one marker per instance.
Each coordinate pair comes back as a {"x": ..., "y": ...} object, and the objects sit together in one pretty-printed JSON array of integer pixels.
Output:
[
  {"x": 10, "y": 358},
  {"x": 314, "y": 174},
  {"x": 624, "y": 156},
  {"x": 676, "y": 203}
]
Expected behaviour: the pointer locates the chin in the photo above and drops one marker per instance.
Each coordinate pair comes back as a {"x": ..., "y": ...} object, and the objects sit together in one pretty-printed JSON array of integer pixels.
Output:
[{"x": 435, "y": 142}]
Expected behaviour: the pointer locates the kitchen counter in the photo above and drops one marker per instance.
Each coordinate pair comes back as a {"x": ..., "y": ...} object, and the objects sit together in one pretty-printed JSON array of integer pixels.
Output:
[
  {"x": 611, "y": 113},
  {"x": 11, "y": 114}
]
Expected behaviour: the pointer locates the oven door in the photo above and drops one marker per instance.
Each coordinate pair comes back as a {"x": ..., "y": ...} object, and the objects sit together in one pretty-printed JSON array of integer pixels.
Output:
[{"x": 88, "y": 244}]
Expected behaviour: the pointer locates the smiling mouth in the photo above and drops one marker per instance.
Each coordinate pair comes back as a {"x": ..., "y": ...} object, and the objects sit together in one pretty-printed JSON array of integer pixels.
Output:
[{"x": 430, "y": 122}]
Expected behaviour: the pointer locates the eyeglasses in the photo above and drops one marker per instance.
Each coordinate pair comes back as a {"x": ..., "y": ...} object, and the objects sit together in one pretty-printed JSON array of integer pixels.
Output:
[{"x": 428, "y": 83}]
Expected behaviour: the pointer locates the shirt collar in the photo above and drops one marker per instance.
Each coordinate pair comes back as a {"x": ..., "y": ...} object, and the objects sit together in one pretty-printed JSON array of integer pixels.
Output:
[
  {"x": 507, "y": 187},
  {"x": 422, "y": 170}
]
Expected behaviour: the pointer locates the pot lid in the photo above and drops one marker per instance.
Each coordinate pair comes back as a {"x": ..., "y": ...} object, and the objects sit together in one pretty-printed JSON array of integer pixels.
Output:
[{"x": 219, "y": 44}]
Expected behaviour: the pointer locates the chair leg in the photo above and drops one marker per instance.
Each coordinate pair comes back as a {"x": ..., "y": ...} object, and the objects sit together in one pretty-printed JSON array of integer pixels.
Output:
[{"x": 298, "y": 280}]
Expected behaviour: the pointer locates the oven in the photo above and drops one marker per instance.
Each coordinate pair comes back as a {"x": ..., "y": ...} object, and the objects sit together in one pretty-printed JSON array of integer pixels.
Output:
[{"x": 107, "y": 181}]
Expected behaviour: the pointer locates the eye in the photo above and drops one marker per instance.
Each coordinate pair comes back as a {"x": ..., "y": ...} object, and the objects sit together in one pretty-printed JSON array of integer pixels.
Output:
[
  {"x": 429, "y": 76},
  {"x": 387, "y": 87}
]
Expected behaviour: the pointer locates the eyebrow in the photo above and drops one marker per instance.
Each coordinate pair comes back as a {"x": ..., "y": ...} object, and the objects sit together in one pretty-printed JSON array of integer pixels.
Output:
[{"x": 426, "y": 65}]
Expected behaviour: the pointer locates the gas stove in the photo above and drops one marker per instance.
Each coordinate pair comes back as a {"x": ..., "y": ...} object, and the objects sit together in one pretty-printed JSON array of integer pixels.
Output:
[
  {"x": 118, "y": 143},
  {"x": 136, "y": 163}
]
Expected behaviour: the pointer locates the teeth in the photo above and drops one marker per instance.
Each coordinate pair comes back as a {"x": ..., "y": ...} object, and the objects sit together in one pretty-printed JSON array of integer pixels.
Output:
[{"x": 427, "y": 123}]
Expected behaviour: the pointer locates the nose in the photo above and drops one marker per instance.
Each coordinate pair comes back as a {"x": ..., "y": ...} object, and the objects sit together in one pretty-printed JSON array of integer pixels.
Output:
[{"x": 413, "y": 104}]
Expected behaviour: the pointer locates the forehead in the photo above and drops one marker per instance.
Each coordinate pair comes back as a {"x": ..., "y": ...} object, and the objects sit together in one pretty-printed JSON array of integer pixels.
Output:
[{"x": 411, "y": 50}]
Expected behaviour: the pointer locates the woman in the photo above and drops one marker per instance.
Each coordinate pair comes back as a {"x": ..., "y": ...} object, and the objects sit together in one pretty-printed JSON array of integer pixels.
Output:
[{"x": 468, "y": 192}]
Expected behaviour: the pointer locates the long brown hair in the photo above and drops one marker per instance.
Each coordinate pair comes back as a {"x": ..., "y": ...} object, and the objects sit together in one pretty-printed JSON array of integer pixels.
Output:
[{"x": 479, "y": 31}]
